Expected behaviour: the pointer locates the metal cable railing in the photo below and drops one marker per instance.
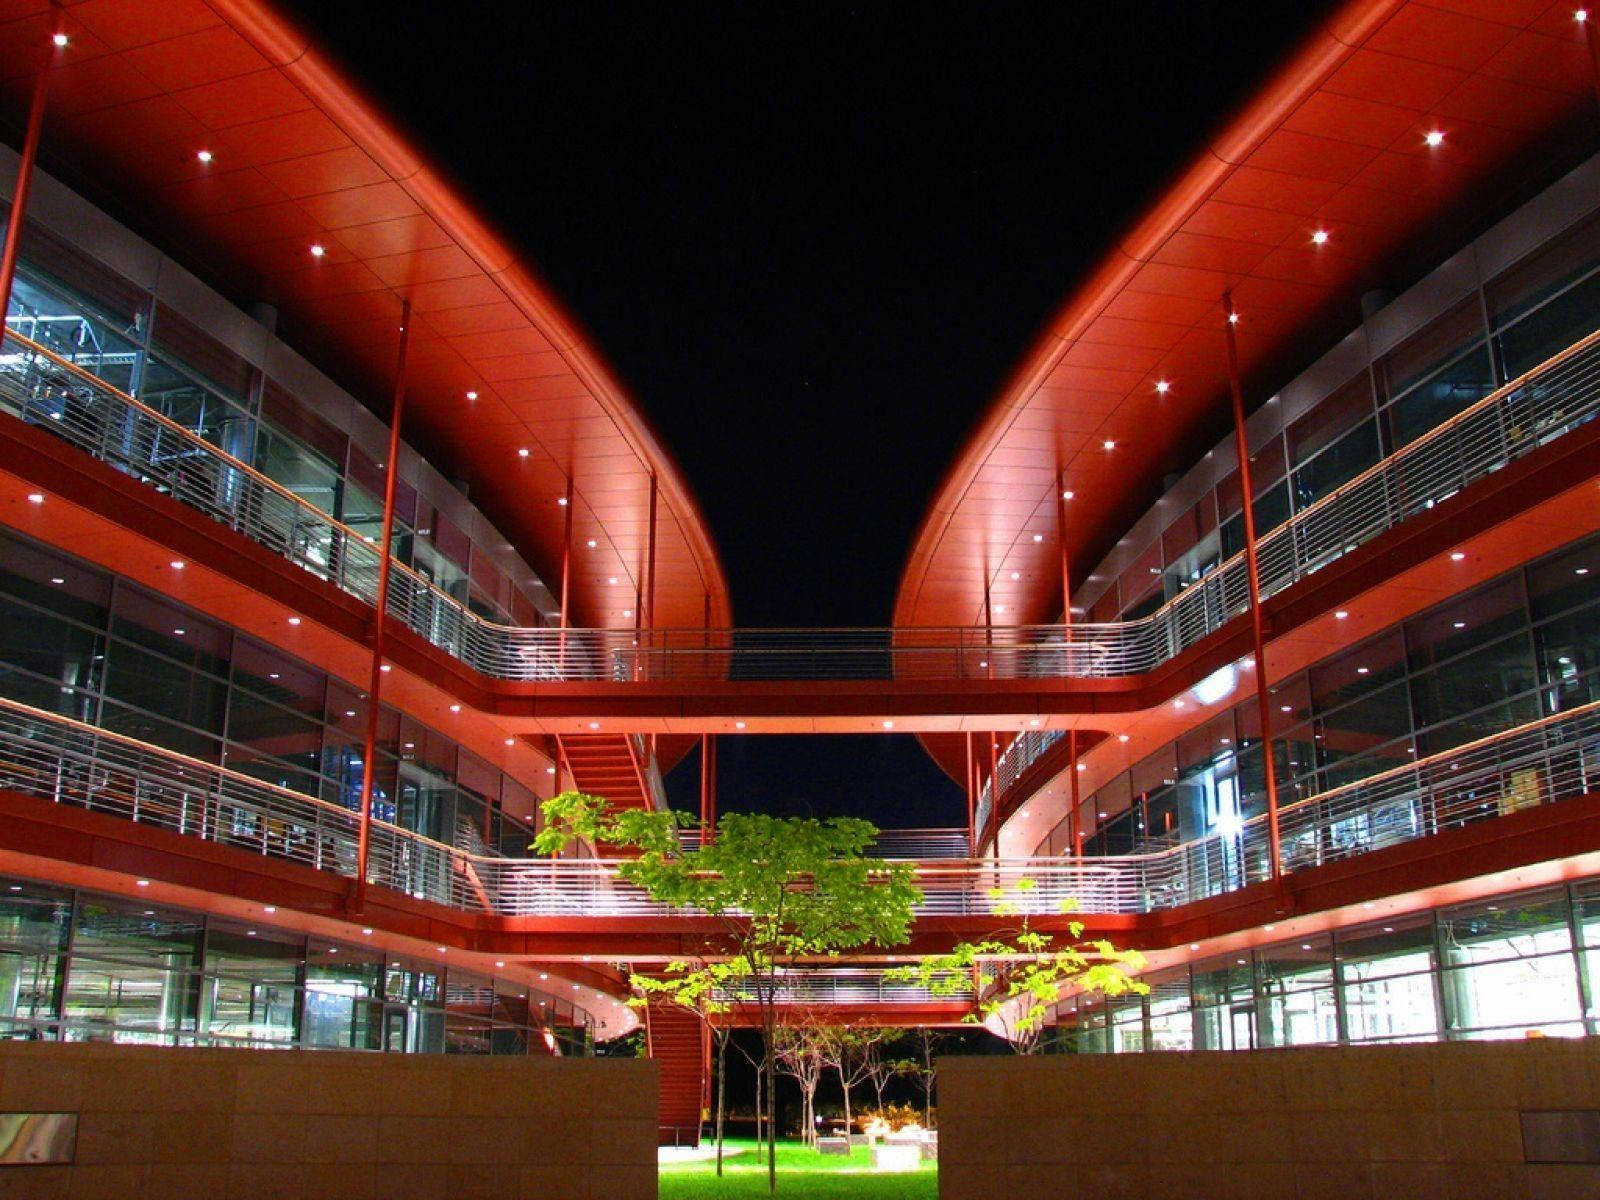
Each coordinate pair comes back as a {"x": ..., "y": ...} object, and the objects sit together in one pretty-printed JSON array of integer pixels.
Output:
[
  {"x": 811, "y": 985},
  {"x": 46, "y": 389},
  {"x": 64, "y": 760}
]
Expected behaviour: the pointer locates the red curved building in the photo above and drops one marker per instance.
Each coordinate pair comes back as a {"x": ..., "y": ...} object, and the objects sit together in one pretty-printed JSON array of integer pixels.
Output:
[{"x": 283, "y": 679}]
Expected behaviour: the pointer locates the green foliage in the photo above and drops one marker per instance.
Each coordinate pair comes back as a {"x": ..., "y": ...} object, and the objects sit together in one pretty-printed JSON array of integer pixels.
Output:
[
  {"x": 1019, "y": 975},
  {"x": 792, "y": 886}
]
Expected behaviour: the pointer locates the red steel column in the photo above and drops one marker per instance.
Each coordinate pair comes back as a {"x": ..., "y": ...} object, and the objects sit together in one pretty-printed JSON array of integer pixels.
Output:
[
  {"x": 972, "y": 800},
  {"x": 650, "y": 592},
  {"x": 1257, "y": 629},
  {"x": 566, "y": 577},
  {"x": 1074, "y": 830},
  {"x": 30, "y": 155},
  {"x": 391, "y": 480}
]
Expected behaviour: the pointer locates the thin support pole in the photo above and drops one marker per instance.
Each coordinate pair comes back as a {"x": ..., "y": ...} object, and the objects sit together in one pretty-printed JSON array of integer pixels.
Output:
[
  {"x": 1074, "y": 825},
  {"x": 972, "y": 799},
  {"x": 391, "y": 481},
  {"x": 566, "y": 576},
  {"x": 1257, "y": 625},
  {"x": 649, "y": 597},
  {"x": 25, "y": 168}
]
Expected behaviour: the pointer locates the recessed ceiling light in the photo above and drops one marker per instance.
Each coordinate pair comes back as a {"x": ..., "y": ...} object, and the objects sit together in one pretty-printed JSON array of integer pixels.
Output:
[
  {"x": 888, "y": 724},
  {"x": 1038, "y": 537},
  {"x": 1035, "y": 722},
  {"x": 522, "y": 452},
  {"x": 592, "y": 544},
  {"x": 1163, "y": 386},
  {"x": 271, "y": 908},
  {"x": 1458, "y": 624},
  {"x": 1435, "y": 137},
  {"x": 1340, "y": 615},
  {"x": 1122, "y": 737},
  {"x": 57, "y": 579},
  {"x": 1363, "y": 670},
  {"x": 628, "y": 612},
  {"x": 511, "y": 741},
  {"x": 455, "y": 708},
  {"x": 349, "y": 712},
  {"x": 562, "y": 501},
  {"x": 738, "y": 724},
  {"x": 142, "y": 882},
  {"x": 1457, "y": 555},
  {"x": 61, "y": 39},
  {"x": 1016, "y": 575},
  {"x": 611, "y": 580},
  {"x": 178, "y": 632},
  {"x": 984, "y": 665},
  {"x": 1067, "y": 495},
  {"x": 1109, "y": 443},
  {"x": 294, "y": 620},
  {"x": 1233, "y": 318},
  {"x": 549, "y": 770},
  {"x": 1580, "y": 15},
  {"x": 318, "y": 250},
  {"x": 204, "y": 156},
  {"x": 594, "y": 724},
  {"x": 386, "y": 668},
  {"x": 1320, "y": 237},
  {"x": 176, "y": 564},
  {"x": 472, "y": 395},
  {"x": 1580, "y": 570},
  {"x": 1177, "y": 704}
]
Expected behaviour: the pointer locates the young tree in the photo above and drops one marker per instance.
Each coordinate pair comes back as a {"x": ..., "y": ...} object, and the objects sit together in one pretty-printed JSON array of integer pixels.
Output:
[
  {"x": 879, "y": 1062},
  {"x": 846, "y": 1049},
  {"x": 787, "y": 889},
  {"x": 798, "y": 1051},
  {"x": 920, "y": 1067},
  {"x": 1018, "y": 975}
]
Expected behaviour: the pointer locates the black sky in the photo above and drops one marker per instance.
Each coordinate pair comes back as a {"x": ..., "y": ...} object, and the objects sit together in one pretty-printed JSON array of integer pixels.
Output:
[{"x": 813, "y": 239}]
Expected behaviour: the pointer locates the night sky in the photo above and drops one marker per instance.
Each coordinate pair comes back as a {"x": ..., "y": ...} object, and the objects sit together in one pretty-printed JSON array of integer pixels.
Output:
[{"x": 813, "y": 240}]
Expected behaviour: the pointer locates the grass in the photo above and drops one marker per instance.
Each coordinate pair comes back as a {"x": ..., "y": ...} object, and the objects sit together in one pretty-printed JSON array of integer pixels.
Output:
[{"x": 801, "y": 1172}]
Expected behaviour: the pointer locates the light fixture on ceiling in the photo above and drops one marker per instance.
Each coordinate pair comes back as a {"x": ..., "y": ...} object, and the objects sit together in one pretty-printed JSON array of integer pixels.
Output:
[
  {"x": 1434, "y": 138},
  {"x": 1109, "y": 444},
  {"x": 204, "y": 156},
  {"x": 60, "y": 40},
  {"x": 522, "y": 452},
  {"x": 1319, "y": 238},
  {"x": 318, "y": 249},
  {"x": 1163, "y": 386}
]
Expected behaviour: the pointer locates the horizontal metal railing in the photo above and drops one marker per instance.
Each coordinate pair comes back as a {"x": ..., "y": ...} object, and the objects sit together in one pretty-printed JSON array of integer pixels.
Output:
[
  {"x": 812, "y": 985},
  {"x": 922, "y": 844},
  {"x": 62, "y": 759},
  {"x": 1510, "y": 422},
  {"x": 47, "y": 389}
]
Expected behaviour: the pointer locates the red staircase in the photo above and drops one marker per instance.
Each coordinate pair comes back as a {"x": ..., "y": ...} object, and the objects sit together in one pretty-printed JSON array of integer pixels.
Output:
[
  {"x": 606, "y": 765},
  {"x": 679, "y": 1041}
]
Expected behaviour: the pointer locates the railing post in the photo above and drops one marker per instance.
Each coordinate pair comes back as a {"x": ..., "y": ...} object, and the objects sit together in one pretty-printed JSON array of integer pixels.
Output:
[
  {"x": 566, "y": 578},
  {"x": 375, "y": 677},
  {"x": 1252, "y": 567},
  {"x": 30, "y": 157}
]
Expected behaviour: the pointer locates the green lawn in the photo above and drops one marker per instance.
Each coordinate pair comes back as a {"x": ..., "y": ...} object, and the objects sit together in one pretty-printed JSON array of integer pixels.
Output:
[{"x": 801, "y": 1172}]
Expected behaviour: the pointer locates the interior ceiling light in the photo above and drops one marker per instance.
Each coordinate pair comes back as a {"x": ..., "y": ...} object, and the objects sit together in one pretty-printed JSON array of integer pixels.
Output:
[
  {"x": 57, "y": 579},
  {"x": 204, "y": 156},
  {"x": 61, "y": 39},
  {"x": 1340, "y": 615},
  {"x": 35, "y": 497},
  {"x": 1037, "y": 538},
  {"x": 1320, "y": 238},
  {"x": 1067, "y": 495},
  {"x": 738, "y": 724},
  {"x": 511, "y": 741},
  {"x": 594, "y": 724},
  {"x": 1435, "y": 137},
  {"x": 1016, "y": 575},
  {"x": 177, "y": 564},
  {"x": 592, "y": 543},
  {"x": 562, "y": 501},
  {"x": 1109, "y": 444},
  {"x": 455, "y": 708},
  {"x": 1163, "y": 386},
  {"x": 1580, "y": 15},
  {"x": 522, "y": 452},
  {"x": 1457, "y": 556},
  {"x": 888, "y": 724},
  {"x": 1122, "y": 737},
  {"x": 318, "y": 249},
  {"x": 472, "y": 395}
]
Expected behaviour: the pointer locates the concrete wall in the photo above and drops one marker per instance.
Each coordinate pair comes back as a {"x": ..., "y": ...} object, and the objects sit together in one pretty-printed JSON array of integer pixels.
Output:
[
  {"x": 157, "y": 1123},
  {"x": 1441, "y": 1122}
]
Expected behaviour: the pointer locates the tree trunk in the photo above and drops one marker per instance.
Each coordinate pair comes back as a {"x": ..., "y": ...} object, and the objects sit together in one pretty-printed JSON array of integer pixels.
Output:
[
  {"x": 844, "y": 1086},
  {"x": 769, "y": 1025},
  {"x": 761, "y": 1112},
  {"x": 722, "y": 1093}
]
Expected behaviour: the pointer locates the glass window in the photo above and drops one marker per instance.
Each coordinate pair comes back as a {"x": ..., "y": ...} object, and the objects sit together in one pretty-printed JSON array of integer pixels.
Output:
[
  {"x": 1509, "y": 969},
  {"x": 134, "y": 974},
  {"x": 343, "y": 1005},
  {"x": 34, "y": 927},
  {"x": 1295, "y": 994},
  {"x": 252, "y": 984},
  {"x": 1386, "y": 975},
  {"x": 1224, "y": 1005}
]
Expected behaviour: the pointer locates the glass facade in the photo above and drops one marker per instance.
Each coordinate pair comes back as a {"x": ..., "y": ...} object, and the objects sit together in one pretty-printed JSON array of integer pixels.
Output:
[
  {"x": 1522, "y": 646},
  {"x": 75, "y": 966},
  {"x": 1500, "y": 330},
  {"x": 117, "y": 330},
  {"x": 81, "y": 642},
  {"x": 1513, "y": 966}
]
